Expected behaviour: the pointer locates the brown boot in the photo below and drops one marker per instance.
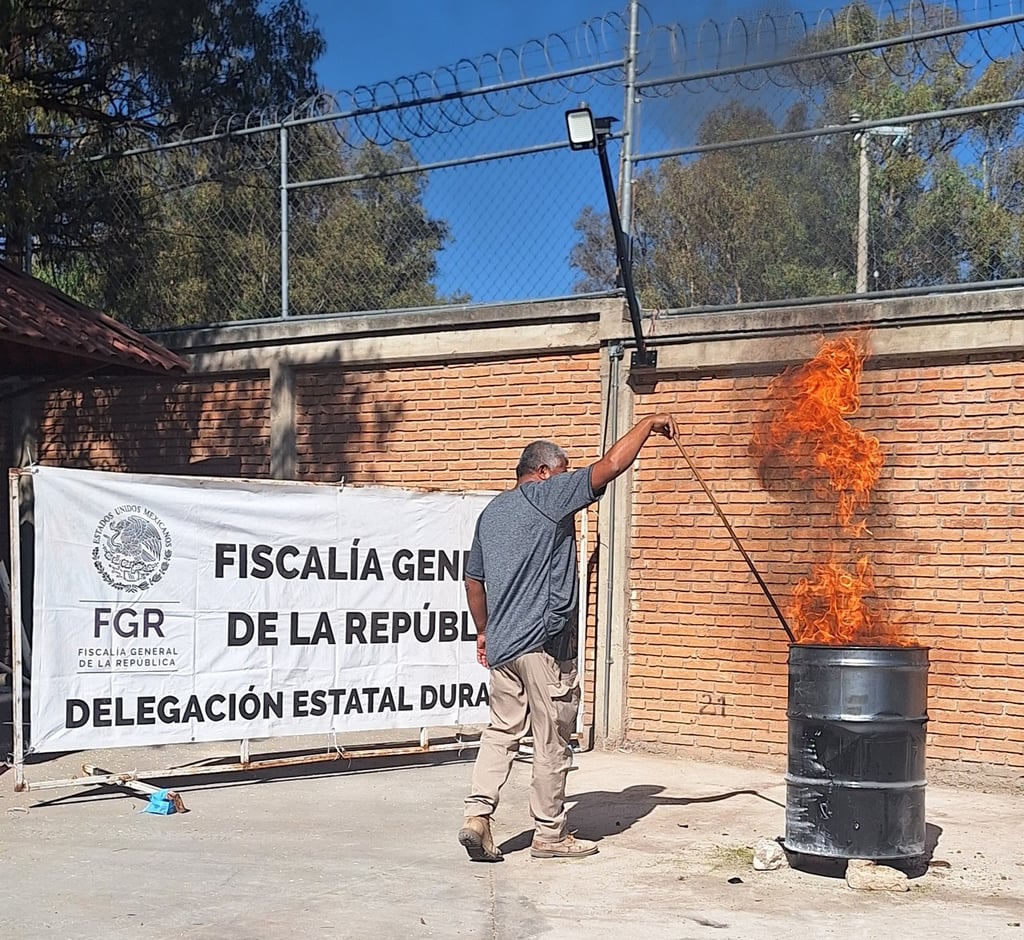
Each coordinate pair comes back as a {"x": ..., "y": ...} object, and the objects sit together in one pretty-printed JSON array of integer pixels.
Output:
[
  {"x": 475, "y": 836},
  {"x": 569, "y": 847}
]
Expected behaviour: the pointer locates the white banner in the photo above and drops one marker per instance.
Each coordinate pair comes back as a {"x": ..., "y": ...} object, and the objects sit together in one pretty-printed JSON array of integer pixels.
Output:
[{"x": 175, "y": 609}]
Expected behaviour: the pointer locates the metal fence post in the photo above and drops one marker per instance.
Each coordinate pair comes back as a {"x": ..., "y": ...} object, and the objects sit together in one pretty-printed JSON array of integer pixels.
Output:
[
  {"x": 628, "y": 128},
  {"x": 283, "y": 135}
]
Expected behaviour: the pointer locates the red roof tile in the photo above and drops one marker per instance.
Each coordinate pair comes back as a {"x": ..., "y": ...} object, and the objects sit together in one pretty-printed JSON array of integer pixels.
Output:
[{"x": 44, "y": 334}]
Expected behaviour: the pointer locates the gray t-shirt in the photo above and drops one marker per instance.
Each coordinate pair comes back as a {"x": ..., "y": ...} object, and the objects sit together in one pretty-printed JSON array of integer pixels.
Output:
[{"x": 524, "y": 552}]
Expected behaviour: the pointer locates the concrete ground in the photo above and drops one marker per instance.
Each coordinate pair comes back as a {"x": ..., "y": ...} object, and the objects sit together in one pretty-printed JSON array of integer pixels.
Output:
[{"x": 369, "y": 849}]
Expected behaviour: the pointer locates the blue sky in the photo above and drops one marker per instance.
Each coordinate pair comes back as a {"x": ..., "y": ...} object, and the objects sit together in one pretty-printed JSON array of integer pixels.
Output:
[
  {"x": 374, "y": 40},
  {"x": 519, "y": 226},
  {"x": 520, "y": 249}
]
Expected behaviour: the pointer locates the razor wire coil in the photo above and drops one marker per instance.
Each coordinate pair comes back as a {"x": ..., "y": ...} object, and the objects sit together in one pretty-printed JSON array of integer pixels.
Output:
[{"x": 458, "y": 164}]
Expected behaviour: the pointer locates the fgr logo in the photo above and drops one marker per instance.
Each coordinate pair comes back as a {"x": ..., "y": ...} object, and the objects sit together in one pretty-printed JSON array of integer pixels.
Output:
[{"x": 131, "y": 548}]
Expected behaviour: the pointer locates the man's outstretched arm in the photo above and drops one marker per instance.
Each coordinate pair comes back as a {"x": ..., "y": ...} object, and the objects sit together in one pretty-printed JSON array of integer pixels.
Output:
[{"x": 623, "y": 452}]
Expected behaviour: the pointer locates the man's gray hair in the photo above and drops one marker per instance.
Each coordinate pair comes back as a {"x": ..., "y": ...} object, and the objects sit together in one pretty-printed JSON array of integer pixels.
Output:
[{"x": 540, "y": 454}]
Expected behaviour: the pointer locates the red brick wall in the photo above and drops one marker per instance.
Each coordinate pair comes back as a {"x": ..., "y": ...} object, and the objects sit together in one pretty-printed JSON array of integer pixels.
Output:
[
  {"x": 451, "y": 427},
  {"x": 214, "y": 427},
  {"x": 708, "y": 656}
]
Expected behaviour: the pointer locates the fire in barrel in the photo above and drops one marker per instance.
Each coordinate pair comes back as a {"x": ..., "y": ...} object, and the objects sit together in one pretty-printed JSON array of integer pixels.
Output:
[{"x": 858, "y": 688}]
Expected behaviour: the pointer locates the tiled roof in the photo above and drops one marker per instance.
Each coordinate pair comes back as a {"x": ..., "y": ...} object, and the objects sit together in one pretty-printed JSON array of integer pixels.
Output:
[{"x": 46, "y": 335}]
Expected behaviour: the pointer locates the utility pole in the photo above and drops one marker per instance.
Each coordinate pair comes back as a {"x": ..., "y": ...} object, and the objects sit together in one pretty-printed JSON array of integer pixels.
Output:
[{"x": 898, "y": 132}]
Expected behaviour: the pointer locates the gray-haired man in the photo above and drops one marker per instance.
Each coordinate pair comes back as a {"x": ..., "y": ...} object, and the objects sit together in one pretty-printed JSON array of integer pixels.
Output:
[{"x": 523, "y": 594}]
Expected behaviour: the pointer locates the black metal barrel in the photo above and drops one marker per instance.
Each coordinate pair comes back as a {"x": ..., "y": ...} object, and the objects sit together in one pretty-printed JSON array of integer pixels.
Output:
[{"x": 855, "y": 784}]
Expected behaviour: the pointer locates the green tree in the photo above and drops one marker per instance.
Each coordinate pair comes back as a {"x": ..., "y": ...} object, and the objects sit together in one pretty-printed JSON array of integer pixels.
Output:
[
  {"x": 191, "y": 234},
  {"x": 945, "y": 204},
  {"x": 778, "y": 220},
  {"x": 594, "y": 255},
  {"x": 366, "y": 244},
  {"x": 751, "y": 223},
  {"x": 199, "y": 235},
  {"x": 96, "y": 78}
]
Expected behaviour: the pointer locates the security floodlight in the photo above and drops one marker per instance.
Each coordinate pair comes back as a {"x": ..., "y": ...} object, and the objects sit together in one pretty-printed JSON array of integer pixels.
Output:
[
  {"x": 582, "y": 133},
  {"x": 589, "y": 133}
]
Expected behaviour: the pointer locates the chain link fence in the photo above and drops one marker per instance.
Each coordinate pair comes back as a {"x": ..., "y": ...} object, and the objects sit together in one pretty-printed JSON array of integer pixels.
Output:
[
  {"x": 871, "y": 149},
  {"x": 874, "y": 149}
]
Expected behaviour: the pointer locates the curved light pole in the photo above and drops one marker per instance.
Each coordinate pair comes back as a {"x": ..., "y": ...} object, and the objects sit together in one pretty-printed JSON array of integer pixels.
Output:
[{"x": 589, "y": 133}]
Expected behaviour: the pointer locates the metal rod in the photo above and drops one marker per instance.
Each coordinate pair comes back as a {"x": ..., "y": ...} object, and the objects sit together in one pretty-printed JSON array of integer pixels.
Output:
[
  {"x": 436, "y": 165},
  {"x": 373, "y": 109},
  {"x": 94, "y": 776},
  {"x": 830, "y": 52},
  {"x": 16, "y": 621},
  {"x": 735, "y": 539},
  {"x": 863, "y": 217},
  {"x": 18, "y": 702},
  {"x": 611, "y": 434},
  {"x": 831, "y": 129},
  {"x": 136, "y": 786}
]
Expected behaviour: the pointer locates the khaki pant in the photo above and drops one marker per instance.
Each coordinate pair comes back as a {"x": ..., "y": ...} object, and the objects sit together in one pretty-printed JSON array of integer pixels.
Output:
[{"x": 539, "y": 694}]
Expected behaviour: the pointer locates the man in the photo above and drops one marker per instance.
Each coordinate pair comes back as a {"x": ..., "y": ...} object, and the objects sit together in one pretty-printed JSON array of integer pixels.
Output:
[{"x": 523, "y": 594}]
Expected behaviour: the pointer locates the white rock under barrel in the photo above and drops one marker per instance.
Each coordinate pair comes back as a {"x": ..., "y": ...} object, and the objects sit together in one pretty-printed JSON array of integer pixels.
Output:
[
  {"x": 865, "y": 875},
  {"x": 768, "y": 855}
]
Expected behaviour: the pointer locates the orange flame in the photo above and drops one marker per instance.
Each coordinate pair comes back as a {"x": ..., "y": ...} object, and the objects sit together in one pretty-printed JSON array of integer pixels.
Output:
[
  {"x": 807, "y": 437},
  {"x": 810, "y": 436},
  {"x": 831, "y": 610}
]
